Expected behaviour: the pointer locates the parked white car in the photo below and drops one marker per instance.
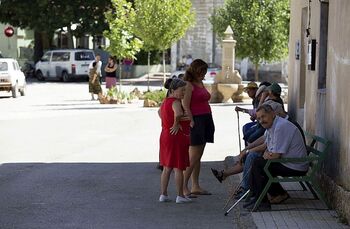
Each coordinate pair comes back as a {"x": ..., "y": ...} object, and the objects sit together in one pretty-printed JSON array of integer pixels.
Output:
[
  {"x": 65, "y": 64},
  {"x": 11, "y": 77},
  {"x": 213, "y": 70}
]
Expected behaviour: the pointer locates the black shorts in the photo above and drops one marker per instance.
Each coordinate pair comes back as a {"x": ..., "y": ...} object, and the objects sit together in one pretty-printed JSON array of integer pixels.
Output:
[{"x": 203, "y": 130}]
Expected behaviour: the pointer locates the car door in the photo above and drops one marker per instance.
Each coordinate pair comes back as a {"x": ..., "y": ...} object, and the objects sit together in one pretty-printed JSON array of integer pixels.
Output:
[
  {"x": 59, "y": 63},
  {"x": 82, "y": 59},
  {"x": 19, "y": 74},
  {"x": 44, "y": 64}
]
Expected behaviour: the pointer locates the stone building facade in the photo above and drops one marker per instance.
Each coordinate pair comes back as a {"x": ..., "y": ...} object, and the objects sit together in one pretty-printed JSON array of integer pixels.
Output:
[
  {"x": 199, "y": 41},
  {"x": 319, "y": 70}
]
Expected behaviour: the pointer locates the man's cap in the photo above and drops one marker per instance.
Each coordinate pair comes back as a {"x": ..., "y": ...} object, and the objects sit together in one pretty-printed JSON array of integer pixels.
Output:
[
  {"x": 276, "y": 107},
  {"x": 275, "y": 88},
  {"x": 260, "y": 90},
  {"x": 265, "y": 83},
  {"x": 251, "y": 85}
]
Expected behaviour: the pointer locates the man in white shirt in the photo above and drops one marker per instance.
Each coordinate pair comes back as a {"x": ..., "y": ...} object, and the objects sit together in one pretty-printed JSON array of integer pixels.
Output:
[
  {"x": 282, "y": 139},
  {"x": 99, "y": 64}
]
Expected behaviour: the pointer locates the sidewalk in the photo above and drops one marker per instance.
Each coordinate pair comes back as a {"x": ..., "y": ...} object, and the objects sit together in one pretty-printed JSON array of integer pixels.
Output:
[{"x": 299, "y": 211}]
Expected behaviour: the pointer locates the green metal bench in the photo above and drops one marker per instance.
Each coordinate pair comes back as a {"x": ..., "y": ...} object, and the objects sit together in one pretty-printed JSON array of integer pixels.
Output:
[{"x": 315, "y": 157}]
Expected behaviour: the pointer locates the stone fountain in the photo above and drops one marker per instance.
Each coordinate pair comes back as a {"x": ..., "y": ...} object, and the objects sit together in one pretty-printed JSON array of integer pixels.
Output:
[{"x": 228, "y": 82}]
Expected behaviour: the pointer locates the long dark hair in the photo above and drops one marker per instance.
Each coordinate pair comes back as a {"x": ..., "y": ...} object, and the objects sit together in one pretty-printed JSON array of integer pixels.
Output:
[{"x": 197, "y": 67}]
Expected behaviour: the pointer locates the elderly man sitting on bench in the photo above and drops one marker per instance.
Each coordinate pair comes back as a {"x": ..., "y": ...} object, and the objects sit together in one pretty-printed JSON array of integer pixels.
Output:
[{"x": 283, "y": 140}]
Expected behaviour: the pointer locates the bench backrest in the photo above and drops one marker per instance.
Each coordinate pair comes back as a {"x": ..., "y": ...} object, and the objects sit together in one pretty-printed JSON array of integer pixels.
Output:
[{"x": 316, "y": 146}]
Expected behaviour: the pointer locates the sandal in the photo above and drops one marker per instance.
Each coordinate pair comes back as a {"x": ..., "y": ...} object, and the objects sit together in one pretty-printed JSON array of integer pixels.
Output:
[{"x": 219, "y": 175}]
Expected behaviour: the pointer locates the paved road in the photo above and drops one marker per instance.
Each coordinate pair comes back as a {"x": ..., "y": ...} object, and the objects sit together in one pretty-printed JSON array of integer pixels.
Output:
[{"x": 68, "y": 162}]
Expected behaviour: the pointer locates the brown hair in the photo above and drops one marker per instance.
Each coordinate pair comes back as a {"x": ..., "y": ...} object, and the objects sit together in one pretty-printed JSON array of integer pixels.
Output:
[{"x": 197, "y": 67}]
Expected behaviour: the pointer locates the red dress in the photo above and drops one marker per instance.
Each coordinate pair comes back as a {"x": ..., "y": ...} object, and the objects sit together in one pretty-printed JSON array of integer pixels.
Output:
[{"x": 173, "y": 148}]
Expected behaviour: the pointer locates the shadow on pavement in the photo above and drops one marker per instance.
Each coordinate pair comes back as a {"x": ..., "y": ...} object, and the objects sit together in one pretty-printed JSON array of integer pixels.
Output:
[{"x": 103, "y": 195}]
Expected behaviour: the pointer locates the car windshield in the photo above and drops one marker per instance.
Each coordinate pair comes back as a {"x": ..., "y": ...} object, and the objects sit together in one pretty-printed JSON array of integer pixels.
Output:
[
  {"x": 84, "y": 56},
  {"x": 3, "y": 66}
]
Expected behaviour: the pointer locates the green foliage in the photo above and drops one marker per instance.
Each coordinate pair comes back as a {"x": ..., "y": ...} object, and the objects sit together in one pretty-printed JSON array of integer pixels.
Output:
[
  {"x": 121, "y": 19},
  {"x": 50, "y": 15},
  {"x": 119, "y": 95},
  {"x": 161, "y": 23},
  {"x": 261, "y": 27},
  {"x": 142, "y": 57},
  {"x": 157, "y": 96}
]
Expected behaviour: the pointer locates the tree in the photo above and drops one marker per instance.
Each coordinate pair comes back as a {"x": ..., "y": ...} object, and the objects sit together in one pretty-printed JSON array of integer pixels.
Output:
[
  {"x": 47, "y": 16},
  {"x": 121, "y": 19},
  {"x": 261, "y": 28},
  {"x": 161, "y": 23}
]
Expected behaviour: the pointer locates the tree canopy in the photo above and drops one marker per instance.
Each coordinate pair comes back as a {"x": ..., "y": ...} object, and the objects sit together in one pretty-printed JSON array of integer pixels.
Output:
[
  {"x": 50, "y": 15},
  {"x": 121, "y": 19},
  {"x": 45, "y": 17},
  {"x": 161, "y": 23},
  {"x": 261, "y": 27}
]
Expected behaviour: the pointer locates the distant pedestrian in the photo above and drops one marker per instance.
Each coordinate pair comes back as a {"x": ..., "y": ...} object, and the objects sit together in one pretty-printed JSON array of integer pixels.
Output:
[
  {"x": 182, "y": 63},
  {"x": 98, "y": 67},
  {"x": 94, "y": 83},
  {"x": 188, "y": 61},
  {"x": 174, "y": 139},
  {"x": 111, "y": 76},
  {"x": 127, "y": 65}
]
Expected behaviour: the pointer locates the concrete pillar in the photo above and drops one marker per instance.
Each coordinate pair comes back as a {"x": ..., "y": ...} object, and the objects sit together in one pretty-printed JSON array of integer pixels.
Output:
[
  {"x": 228, "y": 73},
  {"x": 228, "y": 50}
]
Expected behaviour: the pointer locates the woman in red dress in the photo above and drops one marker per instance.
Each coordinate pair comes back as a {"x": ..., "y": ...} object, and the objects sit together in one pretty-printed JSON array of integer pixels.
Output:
[{"x": 174, "y": 139}]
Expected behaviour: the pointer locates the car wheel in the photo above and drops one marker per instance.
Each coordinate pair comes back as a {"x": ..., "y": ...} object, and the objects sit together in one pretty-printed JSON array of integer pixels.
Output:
[
  {"x": 40, "y": 76},
  {"x": 65, "y": 77},
  {"x": 23, "y": 90},
  {"x": 14, "y": 91}
]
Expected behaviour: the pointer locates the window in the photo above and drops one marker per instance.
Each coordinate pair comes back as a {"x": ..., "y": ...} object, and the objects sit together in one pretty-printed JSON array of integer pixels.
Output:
[
  {"x": 46, "y": 57},
  {"x": 60, "y": 56},
  {"x": 84, "y": 56},
  {"x": 3, "y": 66}
]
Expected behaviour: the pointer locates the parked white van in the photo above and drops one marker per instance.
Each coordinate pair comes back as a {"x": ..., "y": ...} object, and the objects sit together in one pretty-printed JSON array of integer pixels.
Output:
[{"x": 64, "y": 64}]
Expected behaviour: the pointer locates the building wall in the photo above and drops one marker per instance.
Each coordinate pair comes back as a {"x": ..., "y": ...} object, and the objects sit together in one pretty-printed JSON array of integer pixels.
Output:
[
  {"x": 324, "y": 111},
  {"x": 198, "y": 40},
  {"x": 8, "y": 45}
]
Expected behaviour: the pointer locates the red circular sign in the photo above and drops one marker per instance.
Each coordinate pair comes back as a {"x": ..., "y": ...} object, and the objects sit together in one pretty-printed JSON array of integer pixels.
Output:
[{"x": 9, "y": 31}]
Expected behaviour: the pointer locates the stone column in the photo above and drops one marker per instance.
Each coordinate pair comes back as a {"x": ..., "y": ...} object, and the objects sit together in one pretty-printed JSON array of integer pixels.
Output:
[
  {"x": 228, "y": 73},
  {"x": 227, "y": 84}
]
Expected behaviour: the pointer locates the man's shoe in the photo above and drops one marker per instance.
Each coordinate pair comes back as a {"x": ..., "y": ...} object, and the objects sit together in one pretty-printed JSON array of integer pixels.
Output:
[
  {"x": 164, "y": 198},
  {"x": 182, "y": 200},
  {"x": 279, "y": 199},
  {"x": 218, "y": 175}
]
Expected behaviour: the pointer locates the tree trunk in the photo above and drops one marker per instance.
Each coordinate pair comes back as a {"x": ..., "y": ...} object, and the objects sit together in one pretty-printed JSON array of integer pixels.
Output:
[
  {"x": 38, "y": 46},
  {"x": 149, "y": 67},
  {"x": 256, "y": 72},
  {"x": 164, "y": 77},
  {"x": 70, "y": 42},
  {"x": 120, "y": 75}
]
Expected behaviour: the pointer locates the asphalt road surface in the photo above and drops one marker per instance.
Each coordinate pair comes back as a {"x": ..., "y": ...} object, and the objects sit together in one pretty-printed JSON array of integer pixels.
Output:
[{"x": 68, "y": 162}]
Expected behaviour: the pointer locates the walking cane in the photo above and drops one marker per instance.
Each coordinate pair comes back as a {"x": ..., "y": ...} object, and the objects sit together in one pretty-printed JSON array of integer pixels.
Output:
[
  {"x": 234, "y": 205},
  {"x": 238, "y": 186},
  {"x": 239, "y": 132}
]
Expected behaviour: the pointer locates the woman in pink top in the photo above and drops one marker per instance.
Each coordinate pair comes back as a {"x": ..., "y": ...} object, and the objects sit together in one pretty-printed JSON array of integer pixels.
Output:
[{"x": 197, "y": 108}]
